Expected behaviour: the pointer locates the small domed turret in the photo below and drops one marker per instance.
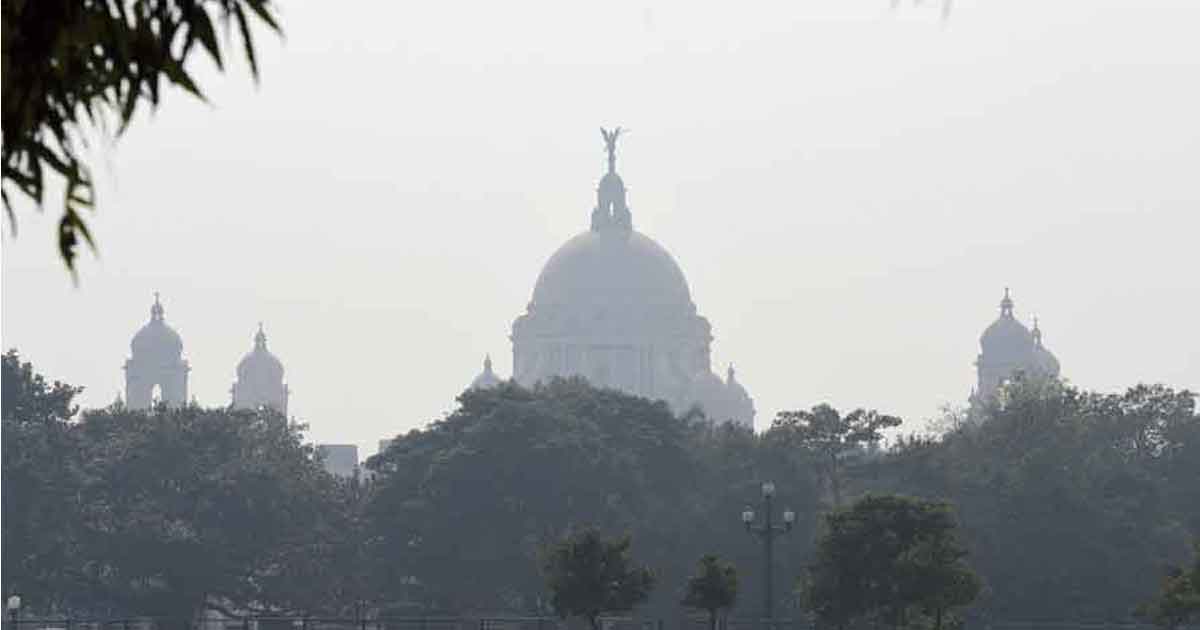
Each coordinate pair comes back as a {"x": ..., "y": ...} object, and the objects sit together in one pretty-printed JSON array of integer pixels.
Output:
[
  {"x": 260, "y": 378},
  {"x": 1046, "y": 362},
  {"x": 156, "y": 361},
  {"x": 1006, "y": 339},
  {"x": 156, "y": 341},
  {"x": 259, "y": 363},
  {"x": 487, "y": 378},
  {"x": 741, "y": 404}
]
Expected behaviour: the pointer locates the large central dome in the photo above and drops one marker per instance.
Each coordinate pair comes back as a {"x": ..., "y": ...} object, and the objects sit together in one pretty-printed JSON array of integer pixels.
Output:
[
  {"x": 611, "y": 266},
  {"x": 612, "y": 306}
]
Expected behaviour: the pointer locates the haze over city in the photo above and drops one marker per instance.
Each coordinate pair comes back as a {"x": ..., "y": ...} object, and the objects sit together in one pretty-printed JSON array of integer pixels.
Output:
[{"x": 848, "y": 187}]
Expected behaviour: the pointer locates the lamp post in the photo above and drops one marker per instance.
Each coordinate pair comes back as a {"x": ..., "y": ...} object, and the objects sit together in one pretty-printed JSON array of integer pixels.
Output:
[
  {"x": 768, "y": 531},
  {"x": 14, "y": 609}
]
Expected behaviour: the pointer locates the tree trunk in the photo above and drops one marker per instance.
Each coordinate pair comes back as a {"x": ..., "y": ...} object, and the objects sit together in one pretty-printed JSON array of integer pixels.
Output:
[
  {"x": 835, "y": 484},
  {"x": 712, "y": 620},
  {"x": 937, "y": 619}
]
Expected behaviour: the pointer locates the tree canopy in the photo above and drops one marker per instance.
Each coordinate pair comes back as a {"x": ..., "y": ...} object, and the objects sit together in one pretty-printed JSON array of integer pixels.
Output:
[
  {"x": 588, "y": 575},
  {"x": 830, "y": 438},
  {"x": 74, "y": 66},
  {"x": 889, "y": 559},
  {"x": 713, "y": 589},
  {"x": 1070, "y": 503},
  {"x": 164, "y": 513}
]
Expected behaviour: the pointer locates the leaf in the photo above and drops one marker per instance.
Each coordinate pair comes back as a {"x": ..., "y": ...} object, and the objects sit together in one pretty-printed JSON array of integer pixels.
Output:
[
  {"x": 247, "y": 39},
  {"x": 202, "y": 29}
]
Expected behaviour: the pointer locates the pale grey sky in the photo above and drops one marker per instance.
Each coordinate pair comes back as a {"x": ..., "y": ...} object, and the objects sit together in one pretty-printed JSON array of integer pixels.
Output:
[{"x": 848, "y": 188}]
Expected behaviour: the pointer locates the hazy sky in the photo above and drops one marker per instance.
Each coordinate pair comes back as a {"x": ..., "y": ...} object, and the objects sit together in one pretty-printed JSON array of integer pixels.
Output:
[{"x": 848, "y": 188}]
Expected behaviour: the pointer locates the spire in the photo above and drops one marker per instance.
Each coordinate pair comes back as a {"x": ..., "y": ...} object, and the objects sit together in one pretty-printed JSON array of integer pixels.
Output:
[
  {"x": 156, "y": 311},
  {"x": 1006, "y": 304},
  {"x": 487, "y": 363},
  {"x": 611, "y": 209},
  {"x": 260, "y": 338},
  {"x": 1037, "y": 333},
  {"x": 730, "y": 375}
]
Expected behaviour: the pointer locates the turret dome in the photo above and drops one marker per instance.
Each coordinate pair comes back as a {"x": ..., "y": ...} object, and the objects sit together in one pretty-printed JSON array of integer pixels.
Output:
[
  {"x": 156, "y": 342},
  {"x": 1006, "y": 339},
  {"x": 1043, "y": 359},
  {"x": 487, "y": 378},
  {"x": 259, "y": 363}
]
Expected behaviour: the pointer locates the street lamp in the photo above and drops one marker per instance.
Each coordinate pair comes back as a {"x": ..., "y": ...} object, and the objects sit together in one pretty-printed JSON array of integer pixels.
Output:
[
  {"x": 768, "y": 531},
  {"x": 14, "y": 609}
]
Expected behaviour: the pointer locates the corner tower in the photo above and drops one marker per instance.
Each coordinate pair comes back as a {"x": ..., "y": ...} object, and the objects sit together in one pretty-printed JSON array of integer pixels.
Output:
[
  {"x": 1007, "y": 348},
  {"x": 156, "y": 362},
  {"x": 260, "y": 379}
]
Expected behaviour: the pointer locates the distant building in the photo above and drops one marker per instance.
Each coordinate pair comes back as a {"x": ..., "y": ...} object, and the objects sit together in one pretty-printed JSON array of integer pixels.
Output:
[
  {"x": 613, "y": 306},
  {"x": 260, "y": 379},
  {"x": 340, "y": 460},
  {"x": 156, "y": 370},
  {"x": 1008, "y": 348}
]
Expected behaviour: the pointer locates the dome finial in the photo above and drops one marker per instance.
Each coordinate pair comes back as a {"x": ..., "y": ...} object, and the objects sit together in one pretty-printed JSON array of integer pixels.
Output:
[
  {"x": 156, "y": 311},
  {"x": 260, "y": 338},
  {"x": 610, "y": 144},
  {"x": 730, "y": 374},
  {"x": 611, "y": 209},
  {"x": 487, "y": 363},
  {"x": 1006, "y": 304},
  {"x": 1037, "y": 332}
]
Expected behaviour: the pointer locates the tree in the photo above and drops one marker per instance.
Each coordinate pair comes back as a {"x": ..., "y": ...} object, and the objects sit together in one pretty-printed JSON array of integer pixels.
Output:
[
  {"x": 588, "y": 575},
  {"x": 891, "y": 559},
  {"x": 1071, "y": 500},
  {"x": 191, "y": 509},
  {"x": 73, "y": 65},
  {"x": 1178, "y": 601},
  {"x": 42, "y": 481},
  {"x": 832, "y": 437},
  {"x": 464, "y": 505},
  {"x": 713, "y": 589}
]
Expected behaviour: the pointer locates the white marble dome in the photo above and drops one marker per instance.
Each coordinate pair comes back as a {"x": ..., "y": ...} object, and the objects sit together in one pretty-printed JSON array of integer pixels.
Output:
[{"x": 611, "y": 266}]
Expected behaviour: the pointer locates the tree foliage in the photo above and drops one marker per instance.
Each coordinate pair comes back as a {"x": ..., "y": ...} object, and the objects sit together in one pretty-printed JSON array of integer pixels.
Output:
[
  {"x": 890, "y": 559},
  {"x": 1071, "y": 501},
  {"x": 40, "y": 498},
  {"x": 165, "y": 513},
  {"x": 1178, "y": 600},
  {"x": 462, "y": 506},
  {"x": 74, "y": 65},
  {"x": 588, "y": 575},
  {"x": 830, "y": 438},
  {"x": 713, "y": 589}
]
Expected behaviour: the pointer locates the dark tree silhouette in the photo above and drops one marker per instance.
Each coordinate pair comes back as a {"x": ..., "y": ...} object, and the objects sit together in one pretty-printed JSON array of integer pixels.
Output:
[{"x": 74, "y": 65}]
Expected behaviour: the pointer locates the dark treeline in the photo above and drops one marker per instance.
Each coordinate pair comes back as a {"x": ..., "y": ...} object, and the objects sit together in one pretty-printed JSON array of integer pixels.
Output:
[{"x": 1072, "y": 505}]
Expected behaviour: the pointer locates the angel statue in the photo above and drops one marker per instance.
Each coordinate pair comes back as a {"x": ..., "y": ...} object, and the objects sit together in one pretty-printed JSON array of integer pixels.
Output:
[{"x": 610, "y": 143}]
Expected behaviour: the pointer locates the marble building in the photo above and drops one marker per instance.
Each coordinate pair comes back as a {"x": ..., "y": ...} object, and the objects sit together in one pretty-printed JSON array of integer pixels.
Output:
[{"x": 613, "y": 306}]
